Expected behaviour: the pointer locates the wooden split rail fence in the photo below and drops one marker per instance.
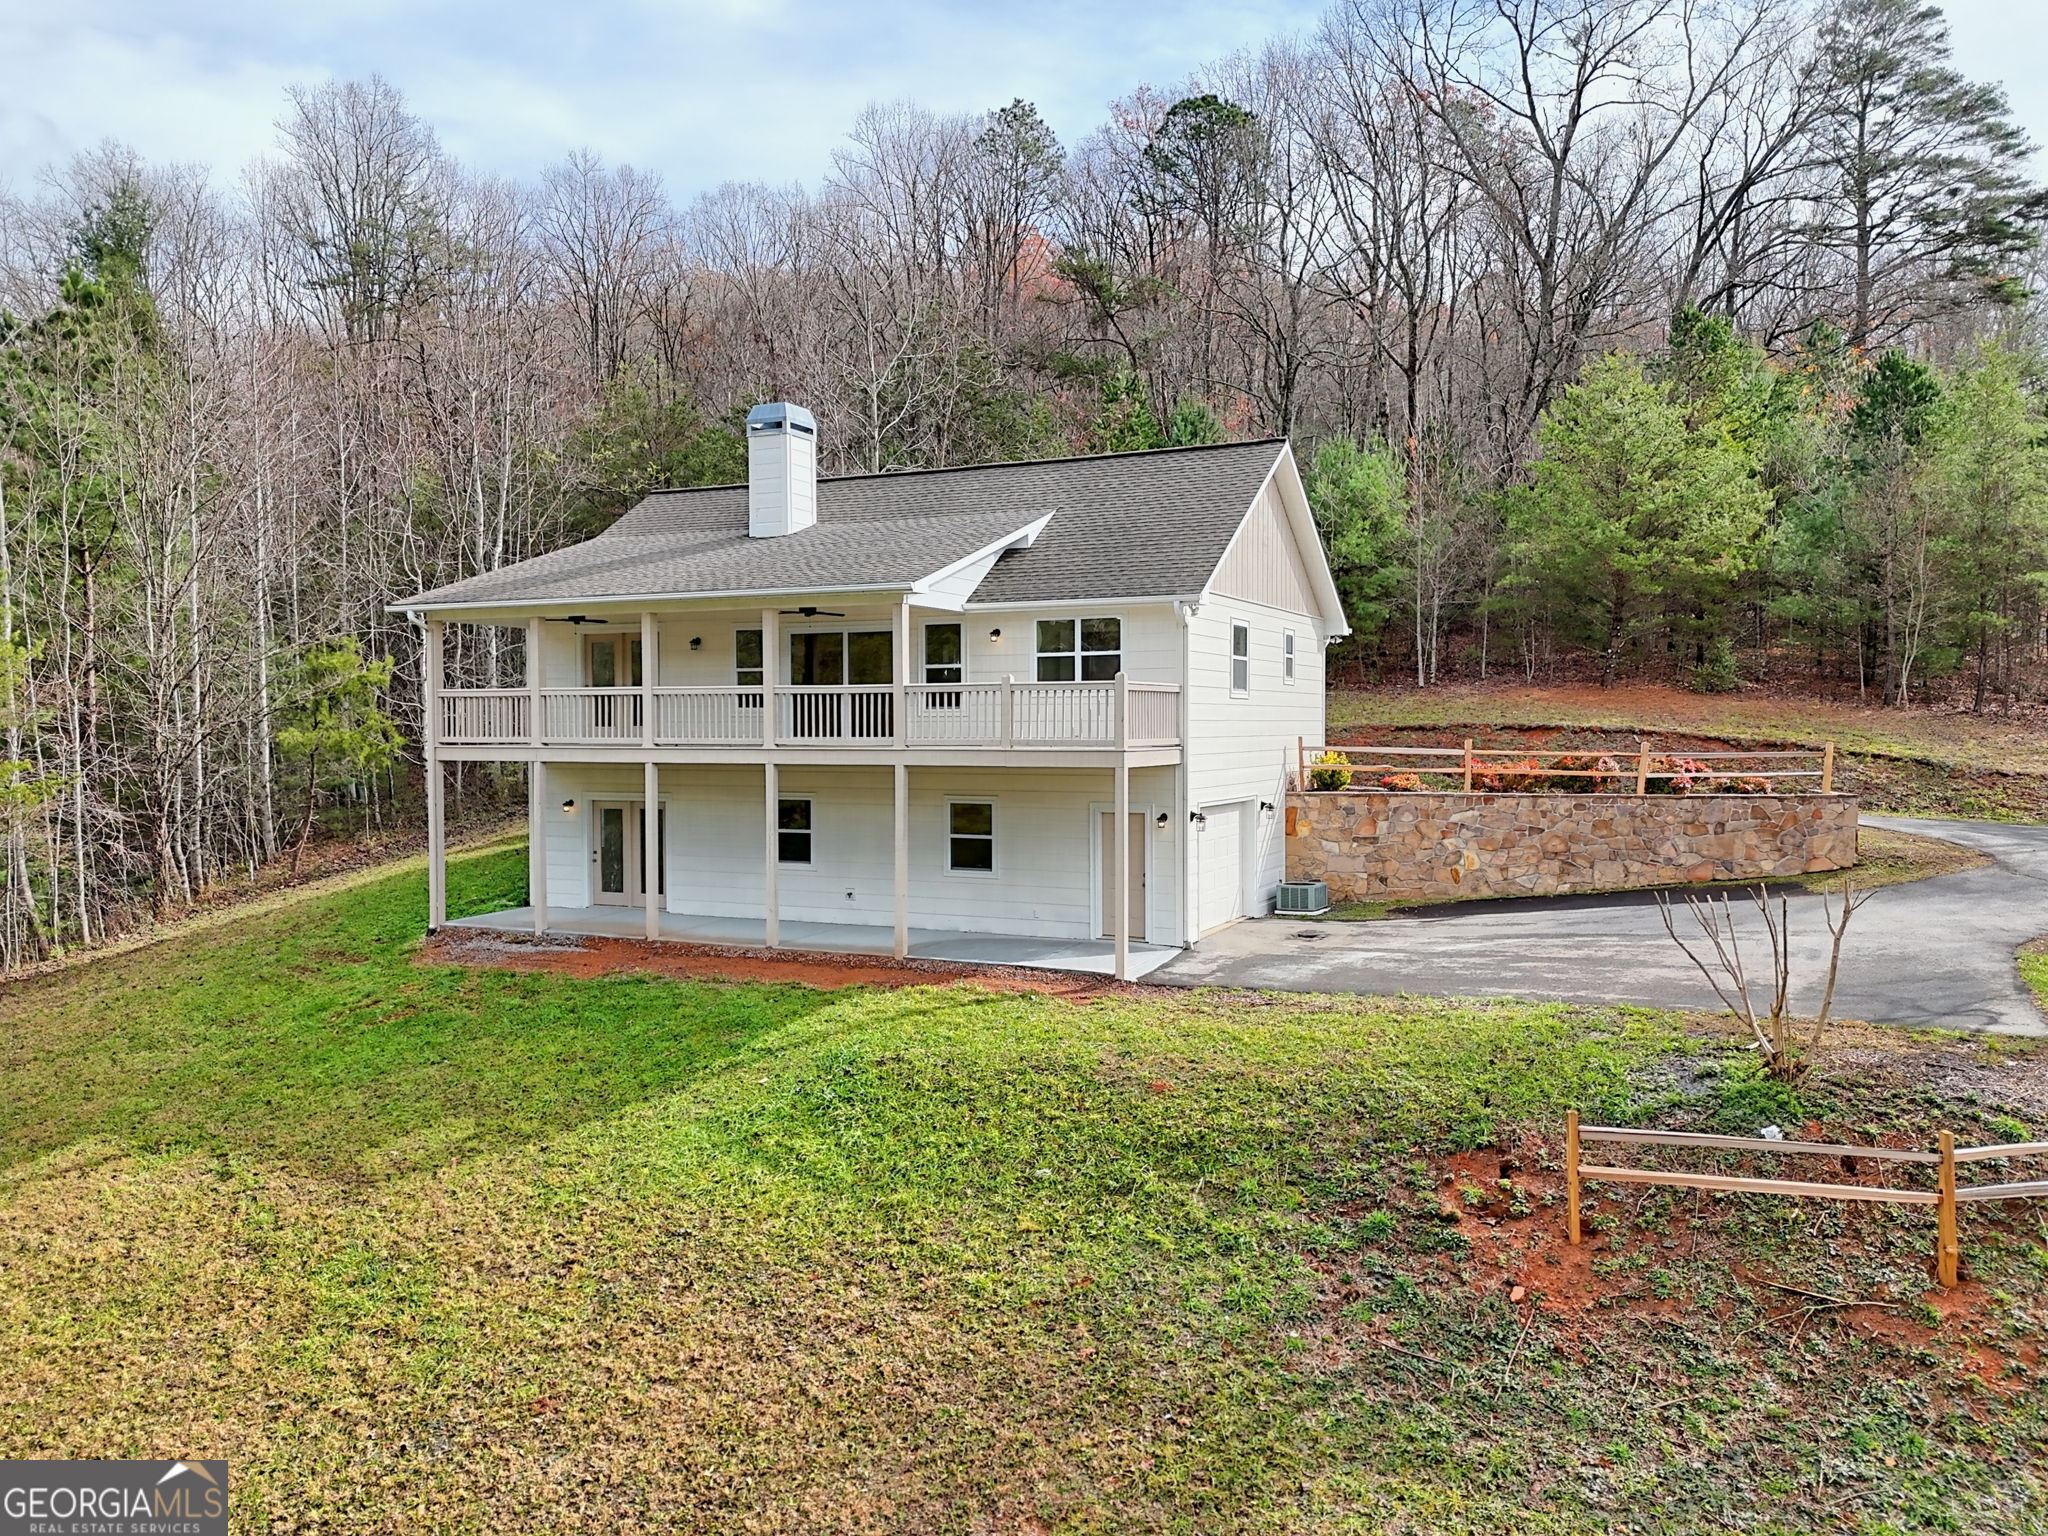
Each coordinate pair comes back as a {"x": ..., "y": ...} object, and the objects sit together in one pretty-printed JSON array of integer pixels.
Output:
[
  {"x": 1635, "y": 771},
  {"x": 1946, "y": 1197}
]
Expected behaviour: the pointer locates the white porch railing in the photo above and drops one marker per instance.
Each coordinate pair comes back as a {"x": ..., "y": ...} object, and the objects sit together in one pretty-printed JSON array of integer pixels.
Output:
[
  {"x": 486, "y": 716},
  {"x": 1151, "y": 715},
  {"x": 862, "y": 715},
  {"x": 1006, "y": 715},
  {"x": 708, "y": 717},
  {"x": 590, "y": 716}
]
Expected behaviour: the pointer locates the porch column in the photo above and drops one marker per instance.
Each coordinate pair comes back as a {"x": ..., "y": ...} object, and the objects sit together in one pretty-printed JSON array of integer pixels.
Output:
[
  {"x": 1120, "y": 860},
  {"x": 437, "y": 831},
  {"x": 902, "y": 672},
  {"x": 650, "y": 665},
  {"x": 771, "y": 898},
  {"x": 650, "y": 850},
  {"x": 537, "y": 843},
  {"x": 771, "y": 674},
  {"x": 902, "y": 827},
  {"x": 533, "y": 731}
]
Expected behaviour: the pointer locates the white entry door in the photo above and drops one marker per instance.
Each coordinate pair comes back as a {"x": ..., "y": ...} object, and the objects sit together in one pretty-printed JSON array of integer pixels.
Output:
[
  {"x": 619, "y": 834},
  {"x": 1105, "y": 857},
  {"x": 1219, "y": 869}
]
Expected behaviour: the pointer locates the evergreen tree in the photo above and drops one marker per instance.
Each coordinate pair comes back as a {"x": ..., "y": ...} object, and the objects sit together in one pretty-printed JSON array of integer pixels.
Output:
[
  {"x": 1358, "y": 494},
  {"x": 1125, "y": 422},
  {"x": 1987, "y": 474},
  {"x": 1635, "y": 520},
  {"x": 1931, "y": 203},
  {"x": 1193, "y": 423}
]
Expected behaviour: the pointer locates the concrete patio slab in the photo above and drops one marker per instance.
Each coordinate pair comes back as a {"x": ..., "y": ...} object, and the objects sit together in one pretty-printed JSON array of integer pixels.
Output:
[{"x": 1093, "y": 957}]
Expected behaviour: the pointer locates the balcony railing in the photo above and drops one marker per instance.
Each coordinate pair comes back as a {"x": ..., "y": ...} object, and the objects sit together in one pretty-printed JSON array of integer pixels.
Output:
[{"x": 1004, "y": 715}]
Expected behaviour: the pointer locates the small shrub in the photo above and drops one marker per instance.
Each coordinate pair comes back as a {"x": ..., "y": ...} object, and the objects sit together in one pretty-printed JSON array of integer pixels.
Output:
[
  {"x": 1589, "y": 775},
  {"x": 1325, "y": 776},
  {"x": 1717, "y": 671},
  {"x": 1404, "y": 783},
  {"x": 2007, "y": 1129},
  {"x": 1514, "y": 778},
  {"x": 1377, "y": 1226}
]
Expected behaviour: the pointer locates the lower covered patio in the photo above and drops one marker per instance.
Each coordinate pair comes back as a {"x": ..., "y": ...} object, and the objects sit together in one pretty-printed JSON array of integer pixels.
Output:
[{"x": 1095, "y": 957}]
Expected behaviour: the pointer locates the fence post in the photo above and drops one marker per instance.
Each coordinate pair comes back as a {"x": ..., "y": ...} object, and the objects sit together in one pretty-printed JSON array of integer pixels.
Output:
[
  {"x": 1571, "y": 1176},
  {"x": 1947, "y": 1249},
  {"x": 1827, "y": 769},
  {"x": 1642, "y": 765},
  {"x": 1468, "y": 765}
]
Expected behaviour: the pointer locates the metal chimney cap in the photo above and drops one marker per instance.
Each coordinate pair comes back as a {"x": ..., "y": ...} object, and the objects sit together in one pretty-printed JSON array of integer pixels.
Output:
[{"x": 780, "y": 416}]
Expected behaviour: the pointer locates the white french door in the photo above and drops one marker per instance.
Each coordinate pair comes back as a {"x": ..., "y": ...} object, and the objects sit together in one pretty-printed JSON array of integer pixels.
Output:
[{"x": 619, "y": 830}]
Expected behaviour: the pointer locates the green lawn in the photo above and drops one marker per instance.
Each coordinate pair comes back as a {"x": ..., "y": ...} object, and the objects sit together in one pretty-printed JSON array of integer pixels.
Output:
[{"x": 422, "y": 1248}]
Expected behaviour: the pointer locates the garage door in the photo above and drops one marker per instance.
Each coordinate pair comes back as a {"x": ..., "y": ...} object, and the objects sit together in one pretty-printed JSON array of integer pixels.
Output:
[{"x": 1220, "y": 869}]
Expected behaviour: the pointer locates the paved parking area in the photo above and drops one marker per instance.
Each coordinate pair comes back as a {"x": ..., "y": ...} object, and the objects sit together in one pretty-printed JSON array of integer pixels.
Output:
[{"x": 1936, "y": 952}]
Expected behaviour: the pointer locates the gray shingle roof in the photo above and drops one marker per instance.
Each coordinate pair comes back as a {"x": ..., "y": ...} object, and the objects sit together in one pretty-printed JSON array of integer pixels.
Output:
[{"x": 1124, "y": 525}]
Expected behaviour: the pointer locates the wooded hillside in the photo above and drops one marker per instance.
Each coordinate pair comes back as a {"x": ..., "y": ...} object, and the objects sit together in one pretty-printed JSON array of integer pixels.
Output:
[{"x": 1625, "y": 334}]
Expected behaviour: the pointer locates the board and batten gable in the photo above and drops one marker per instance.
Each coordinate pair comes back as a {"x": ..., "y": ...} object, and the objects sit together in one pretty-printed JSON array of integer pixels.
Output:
[{"x": 1240, "y": 746}]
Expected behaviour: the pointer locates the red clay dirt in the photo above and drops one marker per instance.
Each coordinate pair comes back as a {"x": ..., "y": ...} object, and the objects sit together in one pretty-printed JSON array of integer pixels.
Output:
[
  {"x": 1529, "y": 1253},
  {"x": 590, "y": 955}
]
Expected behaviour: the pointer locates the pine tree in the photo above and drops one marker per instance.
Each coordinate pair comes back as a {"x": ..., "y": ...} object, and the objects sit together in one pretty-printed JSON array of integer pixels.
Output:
[{"x": 1931, "y": 205}]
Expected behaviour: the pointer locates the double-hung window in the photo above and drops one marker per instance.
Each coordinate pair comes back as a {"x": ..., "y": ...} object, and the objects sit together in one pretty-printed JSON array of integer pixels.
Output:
[
  {"x": 971, "y": 837},
  {"x": 1287, "y": 656},
  {"x": 1240, "y": 658},
  {"x": 793, "y": 830},
  {"x": 1085, "y": 650}
]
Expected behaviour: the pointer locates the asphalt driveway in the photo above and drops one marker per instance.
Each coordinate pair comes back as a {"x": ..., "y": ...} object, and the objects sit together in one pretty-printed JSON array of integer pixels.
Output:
[{"x": 1936, "y": 952}]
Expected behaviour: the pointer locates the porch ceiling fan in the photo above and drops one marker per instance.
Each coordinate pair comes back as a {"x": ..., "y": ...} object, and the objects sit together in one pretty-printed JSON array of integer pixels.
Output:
[
  {"x": 577, "y": 618},
  {"x": 808, "y": 612}
]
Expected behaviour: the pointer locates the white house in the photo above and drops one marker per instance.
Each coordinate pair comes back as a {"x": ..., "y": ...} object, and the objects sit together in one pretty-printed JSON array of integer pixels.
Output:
[{"x": 906, "y": 712}]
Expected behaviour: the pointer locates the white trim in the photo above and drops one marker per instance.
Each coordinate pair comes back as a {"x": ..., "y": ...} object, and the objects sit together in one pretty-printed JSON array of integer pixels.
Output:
[
  {"x": 1236, "y": 624},
  {"x": 1141, "y": 600},
  {"x": 923, "y": 661},
  {"x": 811, "y": 832},
  {"x": 635, "y": 601},
  {"x": 995, "y": 838},
  {"x": 1288, "y": 645},
  {"x": 1023, "y": 538},
  {"x": 1077, "y": 653}
]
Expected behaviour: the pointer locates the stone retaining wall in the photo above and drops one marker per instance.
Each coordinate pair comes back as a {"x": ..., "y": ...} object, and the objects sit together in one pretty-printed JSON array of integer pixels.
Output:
[{"x": 1376, "y": 845}]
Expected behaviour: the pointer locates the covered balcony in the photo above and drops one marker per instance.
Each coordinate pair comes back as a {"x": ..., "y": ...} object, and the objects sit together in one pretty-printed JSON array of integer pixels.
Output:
[{"x": 1002, "y": 716}]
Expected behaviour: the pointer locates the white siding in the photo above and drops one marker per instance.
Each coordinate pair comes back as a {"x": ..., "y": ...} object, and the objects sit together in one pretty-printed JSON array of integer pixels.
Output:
[
  {"x": 1265, "y": 564},
  {"x": 1151, "y": 639},
  {"x": 1239, "y": 750},
  {"x": 1045, "y": 819}
]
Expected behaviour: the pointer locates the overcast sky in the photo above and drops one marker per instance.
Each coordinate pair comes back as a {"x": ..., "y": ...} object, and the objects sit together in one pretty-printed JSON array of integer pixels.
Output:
[{"x": 703, "y": 91}]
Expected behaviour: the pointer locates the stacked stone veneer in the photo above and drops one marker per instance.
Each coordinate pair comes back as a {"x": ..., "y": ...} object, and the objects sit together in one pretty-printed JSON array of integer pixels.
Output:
[{"x": 1369, "y": 846}]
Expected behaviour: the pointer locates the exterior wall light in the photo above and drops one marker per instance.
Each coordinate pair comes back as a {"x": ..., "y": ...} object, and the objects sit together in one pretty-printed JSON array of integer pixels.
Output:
[
  {"x": 568, "y": 805},
  {"x": 995, "y": 634},
  {"x": 1265, "y": 807},
  {"x": 696, "y": 642},
  {"x": 1198, "y": 818},
  {"x": 1161, "y": 821}
]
